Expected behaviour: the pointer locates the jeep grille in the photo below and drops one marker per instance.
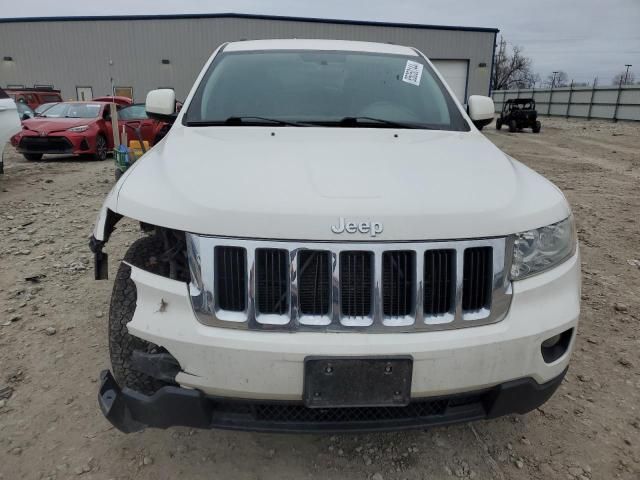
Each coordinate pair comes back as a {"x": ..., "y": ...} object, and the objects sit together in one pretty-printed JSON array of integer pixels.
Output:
[{"x": 374, "y": 287}]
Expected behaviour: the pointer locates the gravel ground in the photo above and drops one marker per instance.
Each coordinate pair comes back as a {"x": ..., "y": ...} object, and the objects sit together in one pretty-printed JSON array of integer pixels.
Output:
[{"x": 53, "y": 343}]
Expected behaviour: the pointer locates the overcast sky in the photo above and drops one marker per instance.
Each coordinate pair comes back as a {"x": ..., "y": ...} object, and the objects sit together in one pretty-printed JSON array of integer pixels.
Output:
[{"x": 586, "y": 38}]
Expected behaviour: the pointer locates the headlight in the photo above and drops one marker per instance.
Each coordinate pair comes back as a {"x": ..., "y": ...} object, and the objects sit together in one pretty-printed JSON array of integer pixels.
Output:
[
  {"x": 538, "y": 250},
  {"x": 81, "y": 128}
]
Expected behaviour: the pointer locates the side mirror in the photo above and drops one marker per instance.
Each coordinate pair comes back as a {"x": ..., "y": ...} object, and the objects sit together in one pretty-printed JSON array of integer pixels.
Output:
[
  {"x": 161, "y": 105},
  {"x": 481, "y": 110}
]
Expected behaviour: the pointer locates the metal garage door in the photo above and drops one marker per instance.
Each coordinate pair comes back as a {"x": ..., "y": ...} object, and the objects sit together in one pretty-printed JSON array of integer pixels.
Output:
[{"x": 455, "y": 73}]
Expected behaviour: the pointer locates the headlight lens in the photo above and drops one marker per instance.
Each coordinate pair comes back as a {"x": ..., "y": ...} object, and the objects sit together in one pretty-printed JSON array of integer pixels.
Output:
[
  {"x": 81, "y": 128},
  {"x": 538, "y": 250}
]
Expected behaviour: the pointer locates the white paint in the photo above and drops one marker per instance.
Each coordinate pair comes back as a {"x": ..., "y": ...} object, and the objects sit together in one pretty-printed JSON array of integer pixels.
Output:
[
  {"x": 161, "y": 101},
  {"x": 481, "y": 108}
]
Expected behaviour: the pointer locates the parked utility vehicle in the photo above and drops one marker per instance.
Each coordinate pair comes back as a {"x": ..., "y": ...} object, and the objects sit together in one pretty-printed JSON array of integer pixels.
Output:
[
  {"x": 519, "y": 113},
  {"x": 332, "y": 245}
]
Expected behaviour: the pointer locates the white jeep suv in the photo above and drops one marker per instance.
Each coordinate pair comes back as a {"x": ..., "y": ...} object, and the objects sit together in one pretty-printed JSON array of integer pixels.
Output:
[{"x": 331, "y": 244}]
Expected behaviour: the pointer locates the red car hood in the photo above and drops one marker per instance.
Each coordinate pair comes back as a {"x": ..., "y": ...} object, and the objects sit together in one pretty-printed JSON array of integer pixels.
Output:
[{"x": 50, "y": 125}]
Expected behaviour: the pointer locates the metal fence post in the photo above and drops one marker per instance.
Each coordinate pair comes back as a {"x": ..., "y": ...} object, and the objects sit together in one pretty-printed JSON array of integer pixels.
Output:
[
  {"x": 570, "y": 95},
  {"x": 615, "y": 111},
  {"x": 550, "y": 100},
  {"x": 593, "y": 89}
]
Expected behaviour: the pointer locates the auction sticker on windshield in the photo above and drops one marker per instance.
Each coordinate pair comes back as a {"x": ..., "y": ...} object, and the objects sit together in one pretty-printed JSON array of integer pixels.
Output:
[{"x": 412, "y": 72}]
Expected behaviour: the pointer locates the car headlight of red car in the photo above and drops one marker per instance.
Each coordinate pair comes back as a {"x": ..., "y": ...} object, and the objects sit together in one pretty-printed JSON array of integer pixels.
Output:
[{"x": 81, "y": 128}]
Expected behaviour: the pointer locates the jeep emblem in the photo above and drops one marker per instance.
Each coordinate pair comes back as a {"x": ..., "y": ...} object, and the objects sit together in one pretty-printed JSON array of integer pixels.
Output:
[{"x": 372, "y": 228}]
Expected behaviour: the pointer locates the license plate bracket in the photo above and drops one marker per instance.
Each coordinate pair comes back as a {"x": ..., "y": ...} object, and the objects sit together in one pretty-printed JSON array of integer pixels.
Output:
[{"x": 335, "y": 382}]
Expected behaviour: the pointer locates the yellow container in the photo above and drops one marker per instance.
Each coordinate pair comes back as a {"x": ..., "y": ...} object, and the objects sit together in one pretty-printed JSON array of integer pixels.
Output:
[{"x": 136, "y": 148}]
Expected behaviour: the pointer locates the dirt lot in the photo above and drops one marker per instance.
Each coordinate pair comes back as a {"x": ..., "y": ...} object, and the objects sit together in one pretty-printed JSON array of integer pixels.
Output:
[{"x": 53, "y": 343}]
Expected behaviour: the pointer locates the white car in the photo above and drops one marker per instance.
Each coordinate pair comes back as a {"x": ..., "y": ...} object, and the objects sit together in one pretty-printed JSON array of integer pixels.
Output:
[
  {"x": 331, "y": 245},
  {"x": 9, "y": 123}
]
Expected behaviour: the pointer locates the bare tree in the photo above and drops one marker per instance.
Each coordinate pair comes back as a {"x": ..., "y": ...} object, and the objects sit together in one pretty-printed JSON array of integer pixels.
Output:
[
  {"x": 623, "y": 78},
  {"x": 511, "y": 69},
  {"x": 557, "y": 79}
]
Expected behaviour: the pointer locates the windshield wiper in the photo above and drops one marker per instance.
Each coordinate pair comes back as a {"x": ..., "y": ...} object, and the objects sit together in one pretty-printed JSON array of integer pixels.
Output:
[
  {"x": 362, "y": 121},
  {"x": 245, "y": 120}
]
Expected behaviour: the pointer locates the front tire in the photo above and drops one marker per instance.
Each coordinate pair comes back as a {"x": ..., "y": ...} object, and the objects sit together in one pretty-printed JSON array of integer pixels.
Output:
[
  {"x": 536, "y": 127},
  {"x": 513, "y": 126},
  {"x": 101, "y": 148},
  {"x": 498, "y": 124},
  {"x": 32, "y": 157},
  {"x": 144, "y": 253}
]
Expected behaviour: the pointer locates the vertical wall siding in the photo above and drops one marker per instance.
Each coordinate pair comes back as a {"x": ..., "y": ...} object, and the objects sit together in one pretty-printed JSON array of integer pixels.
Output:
[
  {"x": 77, "y": 53},
  {"x": 586, "y": 102}
]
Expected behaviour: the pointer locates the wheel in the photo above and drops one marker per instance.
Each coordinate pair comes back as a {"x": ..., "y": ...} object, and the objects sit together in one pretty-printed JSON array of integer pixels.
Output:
[
  {"x": 536, "y": 127},
  {"x": 32, "y": 156},
  {"x": 143, "y": 253},
  {"x": 101, "y": 148},
  {"x": 513, "y": 126},
  {"x": 118, "y": 174},
  {"x": 498, "y": 123}
]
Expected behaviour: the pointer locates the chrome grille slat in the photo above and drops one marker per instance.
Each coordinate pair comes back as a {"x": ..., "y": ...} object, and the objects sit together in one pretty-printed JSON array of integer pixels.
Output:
[{"x": 352, "y": 288}]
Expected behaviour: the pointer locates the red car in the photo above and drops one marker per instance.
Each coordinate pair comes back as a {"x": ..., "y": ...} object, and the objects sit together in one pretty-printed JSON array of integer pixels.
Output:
[
  {"x": 82, "y": 128},
  {"x": 135, "y": 117}
]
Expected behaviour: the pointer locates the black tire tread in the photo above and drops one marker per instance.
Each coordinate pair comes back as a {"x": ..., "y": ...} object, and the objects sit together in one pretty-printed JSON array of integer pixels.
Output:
[
  {"x": 96, "y": 156},
  {"x": 143, "y": 253}
]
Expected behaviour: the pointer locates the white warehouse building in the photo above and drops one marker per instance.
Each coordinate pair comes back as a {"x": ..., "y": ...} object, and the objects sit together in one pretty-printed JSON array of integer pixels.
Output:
[{"x": 130, "y": 55}]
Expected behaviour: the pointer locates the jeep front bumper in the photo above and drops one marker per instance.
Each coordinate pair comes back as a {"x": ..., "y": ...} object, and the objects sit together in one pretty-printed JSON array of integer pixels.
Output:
[{"x": 130, "y": 411}]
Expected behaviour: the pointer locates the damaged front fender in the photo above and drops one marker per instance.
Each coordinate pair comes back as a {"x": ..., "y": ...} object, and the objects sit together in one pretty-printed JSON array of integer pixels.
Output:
[{"x": 105, "y": 224}]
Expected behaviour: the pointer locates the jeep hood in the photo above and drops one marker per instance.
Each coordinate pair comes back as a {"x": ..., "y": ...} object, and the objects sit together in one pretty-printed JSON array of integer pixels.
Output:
[{"x": 294, "y": 183}]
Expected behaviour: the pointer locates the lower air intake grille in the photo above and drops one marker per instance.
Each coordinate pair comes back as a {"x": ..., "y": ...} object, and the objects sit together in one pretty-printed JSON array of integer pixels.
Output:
[
  {"x": 439, "y": 281},
  {"x": 314, "y": 282},
  {"x": 476, "y": 284},
  {"x": 398, "y": 283},
  {"x": 231, "y": 278},
  {"x": 272, "y": 281},
  {"x": 355, "y": 283},
  {"x": 300, "y": 413}
]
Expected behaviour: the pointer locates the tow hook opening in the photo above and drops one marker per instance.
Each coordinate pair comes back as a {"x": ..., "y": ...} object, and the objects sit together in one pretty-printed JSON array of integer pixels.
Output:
[
  {"x": 161, "y": 366},
  {"x": 556, "y": 346}
]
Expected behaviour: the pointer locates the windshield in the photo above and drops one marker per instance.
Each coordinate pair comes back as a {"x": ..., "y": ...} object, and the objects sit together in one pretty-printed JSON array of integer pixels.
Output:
[
  {"x": 323, "y": 88},
  {"x": 73, "y": 110},
  {"x": 24, "y": 108},
  {"x": 133, "y": 112}
]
